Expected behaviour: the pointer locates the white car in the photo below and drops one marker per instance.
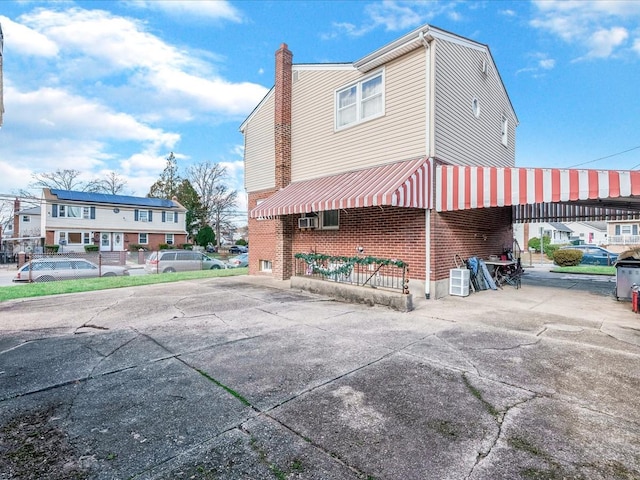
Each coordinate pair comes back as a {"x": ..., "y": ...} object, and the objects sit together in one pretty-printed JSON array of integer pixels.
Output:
[{"x": 48, "y": 269}]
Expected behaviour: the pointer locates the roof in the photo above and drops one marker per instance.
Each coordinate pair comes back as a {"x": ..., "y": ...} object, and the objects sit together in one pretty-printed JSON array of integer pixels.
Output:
[
  {"x": 560, "y": 227},
  {"x": 400, "y": 184},
  {"x": 29, "y": 211},
  {"x": 105, "y": 198}
]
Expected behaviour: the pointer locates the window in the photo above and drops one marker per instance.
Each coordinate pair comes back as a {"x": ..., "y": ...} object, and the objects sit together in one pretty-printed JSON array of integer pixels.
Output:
[
  {"x": 504, "y": 132},
  {"x": 169, "y": 238},
  {"x": 475, "y": 106},
  {"x": 143, "y": 215},
  {"x": 329, "y": 219},
  {"x": 142, "y": 239},
  {"x": 26, "y": 218},
  {"x": 170, "y": 217},
  {"x": 265, "y": 265},
  {"x": 72, "y": 211},
  {"x": 360, "y": 102}
]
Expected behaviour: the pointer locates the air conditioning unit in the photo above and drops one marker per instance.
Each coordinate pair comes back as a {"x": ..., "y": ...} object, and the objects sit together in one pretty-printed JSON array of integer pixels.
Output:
[{"x": 308, "y": 222}]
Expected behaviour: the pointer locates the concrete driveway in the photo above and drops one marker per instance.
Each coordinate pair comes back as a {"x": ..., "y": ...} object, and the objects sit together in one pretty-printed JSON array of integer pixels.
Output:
[{"x": 241, "y": 378}]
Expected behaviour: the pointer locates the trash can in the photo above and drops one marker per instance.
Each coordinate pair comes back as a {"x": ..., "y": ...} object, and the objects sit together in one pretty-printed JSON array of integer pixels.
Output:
[{"x": 627, "y": 276}]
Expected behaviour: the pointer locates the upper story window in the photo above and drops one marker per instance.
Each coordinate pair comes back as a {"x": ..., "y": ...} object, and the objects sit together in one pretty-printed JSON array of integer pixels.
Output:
[
  {"x": 170, "y": 217},
  {"x": 73, "y": 211},
  {"x": 143, "y": 215},
  {"x": 504, "y": 131},
  {"x": 26, "y": 218},
  {"x": 361, "y": 101}
]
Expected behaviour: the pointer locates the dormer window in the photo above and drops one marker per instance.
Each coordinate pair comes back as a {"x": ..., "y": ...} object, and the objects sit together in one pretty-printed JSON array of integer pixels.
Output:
[{"x": 360, "y": 101}]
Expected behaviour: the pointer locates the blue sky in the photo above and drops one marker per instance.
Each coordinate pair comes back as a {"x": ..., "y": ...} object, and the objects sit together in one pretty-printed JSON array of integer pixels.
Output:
[{"x": 102, "y": 86}]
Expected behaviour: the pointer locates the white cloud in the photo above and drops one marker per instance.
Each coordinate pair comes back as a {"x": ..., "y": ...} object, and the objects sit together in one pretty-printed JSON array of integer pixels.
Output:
[
  {"x": 636, "y": 46},
  {"x": 395, "y": 15},
  {"x": 211, "y": 9},
  {"x": 547, "y": 63},
  {"x": 22, "y": 40},
  {"x": 599, "y": 27}
]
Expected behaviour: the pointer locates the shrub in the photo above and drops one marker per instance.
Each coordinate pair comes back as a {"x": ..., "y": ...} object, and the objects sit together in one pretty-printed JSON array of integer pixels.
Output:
[
  {"x": 567, "y": 257},
  {"x": 166, "y": 246},
  {"x": 51, "y": 248},
  {"x": 134, "y": 247},
  {"x": 187, "y": 246},
  {"x": 242, "y": 241},
  {"x": 550, "y": 250},
  {"x": 535, "y": 243},
  {"x": 91, "y": 248}
]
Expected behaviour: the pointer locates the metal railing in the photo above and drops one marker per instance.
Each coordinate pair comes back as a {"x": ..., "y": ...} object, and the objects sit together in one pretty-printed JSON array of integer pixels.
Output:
[
  {"x": 624, "y": 240},
  {"x": 361, "y": 271}
]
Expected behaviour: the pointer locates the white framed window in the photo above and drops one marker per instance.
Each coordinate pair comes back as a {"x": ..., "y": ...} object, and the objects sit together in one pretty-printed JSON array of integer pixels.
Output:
[
  {"x": 361, "y": 101},
  {"x": 265, "y": 265},
  {"x": 168, "y": 238},
  {"x": 475, "y": 107},
  {"x": 143, "y": 216},
  {"x": 625, "y": 229},
  {"x": 504, "y": 131},
  {"x": 73, "y": 211},
  {"x": 143, "y": 239},
  {"x": 329, "y": 220}
]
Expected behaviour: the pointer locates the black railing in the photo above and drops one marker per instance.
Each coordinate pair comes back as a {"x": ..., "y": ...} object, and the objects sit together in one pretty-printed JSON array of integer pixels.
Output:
[{"x": 362, "y": 271}]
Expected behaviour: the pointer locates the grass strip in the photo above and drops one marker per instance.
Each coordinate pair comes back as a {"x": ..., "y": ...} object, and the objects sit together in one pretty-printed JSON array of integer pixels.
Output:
[{"x": 29, "y": 290}]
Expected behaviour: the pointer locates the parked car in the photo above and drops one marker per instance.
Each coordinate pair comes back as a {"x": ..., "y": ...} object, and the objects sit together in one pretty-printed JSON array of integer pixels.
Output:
[
  {"x": 168, "y": 261},
  {"x": 593, "y": 254},
  {"x": 235, "y": 249},
  {"x": 211, "y": 248},
  {"x": 241, "y": 260},
  {"x": 48, "y": 269}
]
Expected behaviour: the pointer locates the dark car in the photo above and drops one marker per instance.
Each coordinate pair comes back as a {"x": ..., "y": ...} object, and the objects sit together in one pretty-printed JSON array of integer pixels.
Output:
[
  {"x": 593, "y": 254},
  {"x": 236, "y": 249}
]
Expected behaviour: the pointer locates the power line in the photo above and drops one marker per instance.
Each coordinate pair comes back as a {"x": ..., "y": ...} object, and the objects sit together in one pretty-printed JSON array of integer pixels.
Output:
[{"x": 608, "y": 156}]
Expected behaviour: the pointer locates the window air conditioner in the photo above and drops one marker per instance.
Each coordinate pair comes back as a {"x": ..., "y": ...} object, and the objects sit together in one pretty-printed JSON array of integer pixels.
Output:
[{"x": 307, "y": 222}]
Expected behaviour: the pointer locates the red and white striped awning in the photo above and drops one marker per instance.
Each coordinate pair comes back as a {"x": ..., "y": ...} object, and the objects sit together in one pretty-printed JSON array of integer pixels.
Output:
[
  {"x": 464, "y": 187},
  {"x": 402, "y": 184}
]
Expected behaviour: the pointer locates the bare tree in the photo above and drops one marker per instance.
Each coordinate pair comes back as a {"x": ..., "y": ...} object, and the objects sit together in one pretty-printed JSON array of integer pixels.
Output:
[
  {"x": 217, "y": 199},
  {"x": 66, "y": 179},
  {"x": 113, "y": 184}
]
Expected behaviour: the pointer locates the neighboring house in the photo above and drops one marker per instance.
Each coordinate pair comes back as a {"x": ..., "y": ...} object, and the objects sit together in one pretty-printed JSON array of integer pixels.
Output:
[
  {"x": 623, "y": 233},
  {"x": 357, "y": 147},
  {"x": 589, "y": 232},
  {"x": 115, "y": 222},
  {"x": 1, "y": 76},
  {"x": 558, "y": 233}
]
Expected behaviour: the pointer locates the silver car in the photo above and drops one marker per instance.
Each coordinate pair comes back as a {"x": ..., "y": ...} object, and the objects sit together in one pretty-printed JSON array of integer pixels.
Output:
[
  {"x": 48, "y": 269},
  {"x": 168, "y": 261}
]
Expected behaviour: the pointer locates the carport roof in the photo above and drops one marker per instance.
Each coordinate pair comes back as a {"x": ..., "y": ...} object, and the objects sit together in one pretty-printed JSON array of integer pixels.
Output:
[{"x": 540, "y": 194}]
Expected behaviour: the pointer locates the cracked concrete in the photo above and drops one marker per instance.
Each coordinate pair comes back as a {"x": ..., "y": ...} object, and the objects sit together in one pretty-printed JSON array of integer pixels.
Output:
[{"x": 242, "y": 377}]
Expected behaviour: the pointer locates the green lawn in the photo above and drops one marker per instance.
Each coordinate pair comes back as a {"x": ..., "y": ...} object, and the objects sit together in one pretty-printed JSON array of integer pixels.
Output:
[
  {"x": 586, "y": 269},
  {"x": 91, "y": 284}
]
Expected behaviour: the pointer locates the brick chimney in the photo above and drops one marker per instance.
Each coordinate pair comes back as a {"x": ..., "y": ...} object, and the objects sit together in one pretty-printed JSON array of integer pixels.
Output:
[{"x": 282, "y": 131}]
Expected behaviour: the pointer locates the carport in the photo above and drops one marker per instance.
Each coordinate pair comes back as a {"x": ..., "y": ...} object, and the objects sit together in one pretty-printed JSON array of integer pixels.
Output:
[{"x": 540, "y": 194}]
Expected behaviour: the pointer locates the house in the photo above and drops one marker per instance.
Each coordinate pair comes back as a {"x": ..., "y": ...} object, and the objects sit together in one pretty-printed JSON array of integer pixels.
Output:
[
  {"x": 623, "y": 233},
  {"x": 74, "y": 219},
  {"x": 589, "y": 232},
  {"x": 557, "y": 232},
  {"x": 357, "y": 147}
]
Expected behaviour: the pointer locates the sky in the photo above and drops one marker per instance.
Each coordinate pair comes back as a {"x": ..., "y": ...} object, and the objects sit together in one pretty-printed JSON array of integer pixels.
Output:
[{"x": 115, "y": 86}]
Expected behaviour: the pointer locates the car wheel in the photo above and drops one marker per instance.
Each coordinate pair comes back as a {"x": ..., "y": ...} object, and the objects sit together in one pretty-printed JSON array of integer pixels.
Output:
[
  {"x": 109, "y": 274},
  {"x": 44, "y": 278},
  {"x": 215, "y": 267},
  {"x": 169, "y": 270}
]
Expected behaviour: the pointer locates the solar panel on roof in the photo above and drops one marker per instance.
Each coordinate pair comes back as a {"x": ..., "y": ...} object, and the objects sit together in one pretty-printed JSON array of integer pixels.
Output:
[{"x": 116, "y": 199}]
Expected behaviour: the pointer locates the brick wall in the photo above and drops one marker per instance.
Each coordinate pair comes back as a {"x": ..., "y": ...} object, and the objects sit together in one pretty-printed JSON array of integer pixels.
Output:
[
  {"x": 481, "y": 232},
  {"x": 262, "y": 236}
]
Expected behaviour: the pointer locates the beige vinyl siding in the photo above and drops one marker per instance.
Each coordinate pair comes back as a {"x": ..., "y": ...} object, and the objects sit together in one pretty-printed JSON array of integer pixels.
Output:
[
  {"x": 123, "y": 221},
  {"x": 259, "y": 153},
  {"x": 460, "y": 137},
  {"x": 319, "y": 150}
]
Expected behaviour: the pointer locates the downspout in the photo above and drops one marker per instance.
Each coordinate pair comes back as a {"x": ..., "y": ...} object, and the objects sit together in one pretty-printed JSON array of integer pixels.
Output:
[{"x": 427, "y": 216}]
